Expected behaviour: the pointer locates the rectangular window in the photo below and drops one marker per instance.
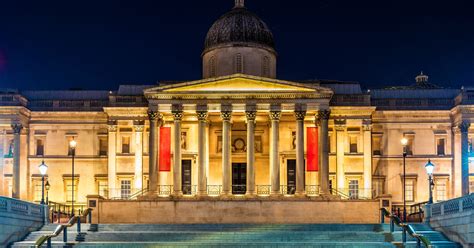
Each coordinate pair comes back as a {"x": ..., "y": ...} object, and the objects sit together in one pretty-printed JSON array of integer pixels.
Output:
[
  {"x": 441, "y": 190},
  {"x": 69, "y": 190},
  {"x": 440, "y": 146},
  {"x": 410, "y": 190},
  {"x": 353, "y": 189},
  {"x": 409, "y": 146},
  {"x": 103, "y": 188},
  {"x": 378, "y": 186},
  {"x": 103, "y": 146},
  {"x": 125, "y": 145},
  {"x": 353, "y": 144},
  {"x": 37, "y": 190},
  {"x": 377, "y": 145},
  {"x": 125, "y": 189},
  {"x": 39, "y": 147}
]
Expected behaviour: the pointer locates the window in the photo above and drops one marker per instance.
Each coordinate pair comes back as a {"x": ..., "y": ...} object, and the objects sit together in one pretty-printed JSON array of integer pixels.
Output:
[
  {"x": 103, "y": 146},
  {"x": 103, "y": 188},
  {"x": 409, "y": 146},
  {"x": 440, "y": 146},
  {"x": 353, "y": 189},
  {"x": 353, "y": 144},
  {"x": 39, "y": 147},
  {"x": 410, "y": 190},
  {"x": 378, "y": 186},
  {"x": 441, "y": 190},
  {"x": 266, "y": 66},
  {"x": 212, "y": 67},
  {"x": 125, "y": 188},
  {"x": 69, "y": 191},
  {"x": 37, "y": 190},
  {"x": 329, "y": 143},
  {"x": 377, "y": 145},
  {"x": 125, "y": 145},
  {"x": 239, "y": 63}
]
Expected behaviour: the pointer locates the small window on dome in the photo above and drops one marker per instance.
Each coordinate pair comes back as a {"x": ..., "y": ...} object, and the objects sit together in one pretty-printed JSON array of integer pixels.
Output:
[
  {"x": 212, "y": 67},
  {"x": 266, "y": 66},
  {"x": 239, "y": 68}
]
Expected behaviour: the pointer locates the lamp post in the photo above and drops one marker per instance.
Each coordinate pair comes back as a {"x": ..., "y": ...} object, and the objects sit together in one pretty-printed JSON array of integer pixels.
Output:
[
  {"x": 43, "y": 168},
  {"x": 429, "y": 170},
  {"x": 47, "y": 186},
  {"x": 404, "y": 142},
  {"x": 72, "y": 147}
]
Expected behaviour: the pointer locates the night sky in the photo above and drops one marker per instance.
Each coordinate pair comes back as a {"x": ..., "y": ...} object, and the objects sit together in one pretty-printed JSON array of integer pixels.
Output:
[{"x": 100, "y": 44}]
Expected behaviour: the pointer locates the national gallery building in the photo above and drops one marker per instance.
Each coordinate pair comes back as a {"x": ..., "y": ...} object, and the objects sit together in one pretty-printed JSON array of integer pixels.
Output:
[{"x": 238, "y": 132}]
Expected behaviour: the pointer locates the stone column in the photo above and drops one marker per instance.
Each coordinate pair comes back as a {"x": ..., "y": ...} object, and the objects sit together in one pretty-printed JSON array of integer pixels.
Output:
[
  {"x": 16, "y": 160},
  {"x": 226, "y": 114},
  {"x": 367, "y": 127},
  {"x": 464, "y": 127},
  {"x": 138, "y": 125},
  {"x": 340, "y": 126},
  {"x": 300, "y": 187},
  {"x": 323, "y": 117},
  {"x": 275, "y": 116},
  {"x": 178, "y": 116},
  {"x": 202, "y": 144},
  {"x": 112, "y": 158},
  {"x": 251, "y": 115},
  {"x": 153, "y": 142},
  {"x": 455, "y": 164}
]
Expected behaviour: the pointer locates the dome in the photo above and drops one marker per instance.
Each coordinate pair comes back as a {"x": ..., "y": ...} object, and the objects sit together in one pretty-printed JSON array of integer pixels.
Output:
[{"x": 239, "y": 26}]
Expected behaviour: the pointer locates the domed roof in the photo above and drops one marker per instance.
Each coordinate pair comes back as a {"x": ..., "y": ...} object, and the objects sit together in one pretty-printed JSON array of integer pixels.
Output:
[{"x": 239, "y": 26}]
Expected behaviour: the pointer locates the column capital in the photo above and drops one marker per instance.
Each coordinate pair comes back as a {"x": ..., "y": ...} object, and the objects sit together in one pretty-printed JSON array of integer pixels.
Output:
[
  {"x": 464, "y": 126},
  {"x": 367, "y": 124},
  {"x": 251, "y": 115},
  {"x": 202, "y": 115},
  {"x": 340, "y": 124},
  {"x": 275, "y": 115},
  {"x": 139, "y": 128},
  {"x": 300, "y": 115},
  {"x": 17, "y": 127},
  {"x": 226, "y": 115},
  {"x": 112, "y": 127},
  {"x": 324, "y": 114},
  {"x": 177, "y": 115},
  {"x": 154, "y": 115}
]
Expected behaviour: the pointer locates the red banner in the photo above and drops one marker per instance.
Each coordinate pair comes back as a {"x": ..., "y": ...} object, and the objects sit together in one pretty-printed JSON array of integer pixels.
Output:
[
  {"x": 312, "y": 158},
  {"x": 165, "y": 149}
]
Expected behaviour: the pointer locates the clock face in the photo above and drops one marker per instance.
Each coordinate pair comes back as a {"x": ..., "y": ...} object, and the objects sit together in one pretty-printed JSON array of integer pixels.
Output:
[{"x": 239, "y": 144}]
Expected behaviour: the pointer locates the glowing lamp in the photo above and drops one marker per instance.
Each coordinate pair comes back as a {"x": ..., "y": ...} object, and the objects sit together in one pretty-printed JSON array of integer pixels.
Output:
[
  {"x": 43, "y": 168},
  {"x": 404, "y": 141},
  {"x": 429, "y": 168},
  {"x": 72, "y": 144}
]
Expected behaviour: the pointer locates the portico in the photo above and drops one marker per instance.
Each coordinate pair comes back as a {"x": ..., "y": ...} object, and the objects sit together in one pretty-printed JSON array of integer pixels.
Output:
[{"x": 215, "y": 121}]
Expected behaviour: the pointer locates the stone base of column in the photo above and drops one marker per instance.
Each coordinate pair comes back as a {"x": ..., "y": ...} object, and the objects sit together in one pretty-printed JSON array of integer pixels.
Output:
[
  {"x": 251, "y": 195},
  {"x": 300, "y": 194},
  {"x": 276, "y": 194},
  {"x": 177, "y": 194},
  {"x": 202, "y": 194}
]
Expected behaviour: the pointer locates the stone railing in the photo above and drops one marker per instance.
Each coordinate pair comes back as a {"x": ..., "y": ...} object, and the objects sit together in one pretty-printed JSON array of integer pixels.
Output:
[
  {"x": 455, "y": 218},
  {"x": 18, "y": 218}
]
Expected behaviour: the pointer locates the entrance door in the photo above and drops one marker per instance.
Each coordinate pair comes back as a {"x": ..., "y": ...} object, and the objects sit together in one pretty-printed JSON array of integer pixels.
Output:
[
  {"x": 291, "y": 176},
  {"x": 186, "y": 177},
  {"x": 239, "y": 178}
]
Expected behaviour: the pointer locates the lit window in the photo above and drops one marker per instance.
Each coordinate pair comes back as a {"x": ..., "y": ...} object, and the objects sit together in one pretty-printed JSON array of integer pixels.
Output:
[
  {"x": 39, "y": 147},
  {"x": 441, "y": 190},
  {"x": 125, "y": 188},
  {"x": 353, "y": 144},
  {"x": 440, "y": 146},
  {"x": 69, "y": 191},
  {"x": 378, "y": 186},
  {"x": 125, "y": 144},
  {"x": 410, "y": 190},
  {"x": 37, "y": 190},
  {"x": 377, "y": 145},
  {"x": 103, "y": 188},
  {"x": 103, "y": 146},
  {"x": 353, "y": 189},
  {"x": 409, "y": 146}
]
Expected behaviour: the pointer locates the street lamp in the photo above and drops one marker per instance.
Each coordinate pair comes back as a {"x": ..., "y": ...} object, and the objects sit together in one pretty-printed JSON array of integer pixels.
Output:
[
  {"x": 72, "y": 147},
  {"x": 47, "y": 186},
  {"x": 43, "y": 168},
  {"x": 404, "y": 142},
  {"x": 429, "y": 170}
]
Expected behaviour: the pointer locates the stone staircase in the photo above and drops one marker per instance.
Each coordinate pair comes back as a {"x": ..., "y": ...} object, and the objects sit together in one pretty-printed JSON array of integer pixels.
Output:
[{"x": 237, "y": 235}]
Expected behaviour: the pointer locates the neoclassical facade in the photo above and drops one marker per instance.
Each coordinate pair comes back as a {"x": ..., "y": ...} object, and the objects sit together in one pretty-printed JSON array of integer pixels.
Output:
[{"x": 238, "y": 132}]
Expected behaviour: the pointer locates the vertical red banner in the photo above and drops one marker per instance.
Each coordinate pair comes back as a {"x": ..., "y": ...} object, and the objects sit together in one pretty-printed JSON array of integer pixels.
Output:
[
  {"x": 165, "y": 149},
  {"x": 312, "y": 144}
]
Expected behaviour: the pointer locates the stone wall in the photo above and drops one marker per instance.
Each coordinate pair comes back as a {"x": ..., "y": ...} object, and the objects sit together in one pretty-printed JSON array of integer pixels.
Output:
[
  {"x": 236, "y": 211},
  {"x": 454, "y": 218},
  {"x": 18, "y": 218}
]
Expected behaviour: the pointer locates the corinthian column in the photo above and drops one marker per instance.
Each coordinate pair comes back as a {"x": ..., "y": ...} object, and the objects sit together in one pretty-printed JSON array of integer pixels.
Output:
[
  {"x": 300, "y": 187},
  {"x": 153, "y": 152},
  {"x": 464, "y": 127},
  {"x": 323, "y": 118},
  {"x": 138, "y": 125},
  {"x": 111, "y": 158},
  {"x": 16, "y": 160},
  {"x": 251, "y": 116},
  {"x": 274, "y": 155},
  {"x": 226, "y": 114},
  {"x": 178, "y": 116},
  {"x": 202, "y": 169},
  {"x": 340, "y": 139}
]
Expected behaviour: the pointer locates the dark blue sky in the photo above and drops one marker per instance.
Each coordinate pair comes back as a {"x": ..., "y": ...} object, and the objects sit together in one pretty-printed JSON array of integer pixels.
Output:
[{"x": 100, "y": 44}]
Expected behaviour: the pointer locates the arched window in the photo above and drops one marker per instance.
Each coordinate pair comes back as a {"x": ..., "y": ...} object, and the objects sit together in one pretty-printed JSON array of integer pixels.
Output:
[
  {"x": 266, "y": 66},
  {"x": 239, "y": 65},
  {"x": 212, "y": 67}
]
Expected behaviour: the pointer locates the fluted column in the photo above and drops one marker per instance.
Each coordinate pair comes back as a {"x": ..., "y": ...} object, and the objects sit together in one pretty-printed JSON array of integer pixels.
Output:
[
  {"x": 177, "y": 187},
  {"x": 153, "y": 152},
  {"x": 202, "y": 144},
  {"x": 323, "y": 118},
  {"x": 251, "y": 117},
  {"x": 138, "y": 125},
  {"x": 274, "y": 154},
  {"x": 340, "y": 126},
  {"x": 112, "y": 158},
  {"x": 464, "y": 127},
  {"x": 16, "y": 160},
  {"x": 226, "y": 115},
  {"x": 367, "y": 127},
  {"x": 300, "y": 187}
]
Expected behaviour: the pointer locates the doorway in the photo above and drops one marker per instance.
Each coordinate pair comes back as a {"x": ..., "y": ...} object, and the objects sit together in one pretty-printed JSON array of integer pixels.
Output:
[
  {"x": 291, "y": 176},
  {"x": 186, "y": 177},
  {"x": 239, "y": 178}
]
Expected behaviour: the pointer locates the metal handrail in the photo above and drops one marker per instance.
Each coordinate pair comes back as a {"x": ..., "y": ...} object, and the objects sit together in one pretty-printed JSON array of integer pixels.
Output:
[
  {"x": 407, "y": 228},
  {"x": 62, "y": 228}
]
